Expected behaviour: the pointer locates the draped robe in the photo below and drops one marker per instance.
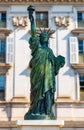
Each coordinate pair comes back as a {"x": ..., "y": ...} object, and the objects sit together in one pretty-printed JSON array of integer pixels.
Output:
[{"x": 44, "y": 66}]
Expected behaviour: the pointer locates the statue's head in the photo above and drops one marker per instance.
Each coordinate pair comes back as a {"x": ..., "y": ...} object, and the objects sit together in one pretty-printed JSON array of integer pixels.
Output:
[
  {"x": 44, "y": 37},
  {"x": 45, "y": 34}
]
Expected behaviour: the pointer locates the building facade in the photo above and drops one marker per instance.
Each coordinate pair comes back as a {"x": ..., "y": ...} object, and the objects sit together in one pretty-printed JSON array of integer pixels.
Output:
[{"x": 66, "y": 17}]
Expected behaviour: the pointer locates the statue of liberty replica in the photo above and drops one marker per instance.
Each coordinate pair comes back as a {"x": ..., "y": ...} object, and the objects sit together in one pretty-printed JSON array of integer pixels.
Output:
[{"x": 44, "y": 67}]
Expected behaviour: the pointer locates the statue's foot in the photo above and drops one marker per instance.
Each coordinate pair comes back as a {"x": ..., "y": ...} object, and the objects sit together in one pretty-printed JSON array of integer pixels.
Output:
[{"x": 37, "y": 116}]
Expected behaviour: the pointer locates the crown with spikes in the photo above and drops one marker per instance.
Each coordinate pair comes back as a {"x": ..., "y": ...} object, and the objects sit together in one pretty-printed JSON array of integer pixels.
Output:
[{"x": 47, "y": 30}]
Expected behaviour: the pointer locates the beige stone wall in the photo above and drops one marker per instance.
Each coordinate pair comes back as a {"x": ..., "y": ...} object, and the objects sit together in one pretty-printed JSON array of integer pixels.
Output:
[
  {"x": 68, "y": 125},
  {"x": 9, "y": 128},
  {"x": 13, "y": 110},
  {"x": 18, "y": 90},
  {"x": 70, "y": 110},
  {"x": 60, "y": 129}
]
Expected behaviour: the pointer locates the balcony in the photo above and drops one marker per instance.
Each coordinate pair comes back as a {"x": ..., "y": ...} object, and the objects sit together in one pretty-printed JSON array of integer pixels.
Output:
[
  {"x": 78, "y": 67},
  {"x": 2, "y": 51},
  {"x": 2, "y": 93},
  {"x": 78, "y": 31},
  {"x": 2, "y": 58},
  {"x": 2, "y": 24},
  {"x": 82, "y": 94},
  {"x": 5, "y": 31},
  {"x": 80, "y": 24},
  {"x": 81, "y": 58}
]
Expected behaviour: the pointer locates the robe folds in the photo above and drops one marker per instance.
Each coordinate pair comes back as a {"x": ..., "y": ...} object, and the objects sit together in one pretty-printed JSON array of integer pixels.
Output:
[{"x": 44, "y": 66}]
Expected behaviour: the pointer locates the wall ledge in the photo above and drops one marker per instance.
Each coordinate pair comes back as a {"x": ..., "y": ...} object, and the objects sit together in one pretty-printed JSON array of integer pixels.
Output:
[{"x": 67, "y": 124}]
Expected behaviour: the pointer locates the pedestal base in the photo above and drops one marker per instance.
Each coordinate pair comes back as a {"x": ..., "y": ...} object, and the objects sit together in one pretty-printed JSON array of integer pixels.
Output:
[
  {"x": 38, "y": 117},
  {"x": 40, "y": 124}
]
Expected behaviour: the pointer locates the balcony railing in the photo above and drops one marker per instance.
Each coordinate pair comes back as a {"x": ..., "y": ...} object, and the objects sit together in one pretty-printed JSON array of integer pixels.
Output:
[
  {"x": 2, "y": 24},
  {"x": 2, "y": 59},
  {"x": 81, "y": 58},
  {"x": 1, "y": 94},
  {"x": 2, "y": 51},
  {"x": 82, "y": 94},
  {"x": 80, "y": 23}
]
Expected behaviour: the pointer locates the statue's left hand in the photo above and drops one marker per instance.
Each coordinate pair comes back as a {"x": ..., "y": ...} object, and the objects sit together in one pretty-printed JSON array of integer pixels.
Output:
[{"x": 62, "y": 60}]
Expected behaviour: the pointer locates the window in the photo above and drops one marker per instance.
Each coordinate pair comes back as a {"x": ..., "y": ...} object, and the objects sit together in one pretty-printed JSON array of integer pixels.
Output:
[
  {"x": 81, "y": 79},
  {"x": 2, "y": 87},
  {"x": 42, "y": 19},
  {"x": 80, "y": 19},
  {"x": 81, "y": 51},
  {"x": 2, "y": 19},
  {"x": 2, "y": 51}
]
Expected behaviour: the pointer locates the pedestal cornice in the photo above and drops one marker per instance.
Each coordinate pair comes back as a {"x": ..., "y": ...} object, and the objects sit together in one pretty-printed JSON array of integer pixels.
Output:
[{"x": 40, "y": 123}]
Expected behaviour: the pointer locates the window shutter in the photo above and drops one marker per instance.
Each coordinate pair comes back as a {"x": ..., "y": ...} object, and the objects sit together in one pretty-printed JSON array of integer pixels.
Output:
[
  {"x": 9, "y": 50},
  {"x": 73, "y": 50}
]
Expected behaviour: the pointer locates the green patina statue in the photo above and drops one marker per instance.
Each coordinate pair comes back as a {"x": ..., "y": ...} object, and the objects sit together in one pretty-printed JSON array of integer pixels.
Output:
[{"x": 44, "y": 66}]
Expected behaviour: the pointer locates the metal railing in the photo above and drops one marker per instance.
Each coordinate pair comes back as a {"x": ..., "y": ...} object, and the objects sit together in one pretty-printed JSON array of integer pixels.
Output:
[
  {"x": 2, "y": 24},
  {"x": 81, "y": 58},
  {"x": 2, "y": 51},
  {"x": 2, "y": 94},
  {"x": 80, "y": 23}
]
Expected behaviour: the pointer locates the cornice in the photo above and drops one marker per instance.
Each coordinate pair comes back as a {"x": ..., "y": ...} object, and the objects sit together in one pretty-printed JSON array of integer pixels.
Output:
[
  {"x": 7, "y": 124},
  {"x": 5, "y": 31},
  {"x": 67, "y": 124},
  {"x": 4, "y": 66},
  {"x": 57, "y": 2},
  {"x": 77, "y": 66},
  {"x": 74, "y": 124},
  {"x": 78, "y": 31}
]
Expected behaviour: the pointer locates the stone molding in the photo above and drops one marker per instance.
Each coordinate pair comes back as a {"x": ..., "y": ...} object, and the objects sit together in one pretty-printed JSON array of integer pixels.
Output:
[
  {"x": 41, "y": 1},
  {"x": 20, "y": 100},
  {"x": 67, "y": 124},
  {"x": 77, "y": 66},
  {"x": 4, "y": 68},
  {"x": 74, "y": 124},
  {"x": 78, "y": 31},
  {"x": 79, "y": 8},
  {"x": 7, "y": 124},
  {"x": 77, "y": 104},
  {"x": 5, "y": 31},
  {"x": 15, "y": 100}
]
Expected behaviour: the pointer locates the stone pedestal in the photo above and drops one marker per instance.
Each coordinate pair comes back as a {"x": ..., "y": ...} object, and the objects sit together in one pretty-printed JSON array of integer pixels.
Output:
[{"x": 40, "y": 124}]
